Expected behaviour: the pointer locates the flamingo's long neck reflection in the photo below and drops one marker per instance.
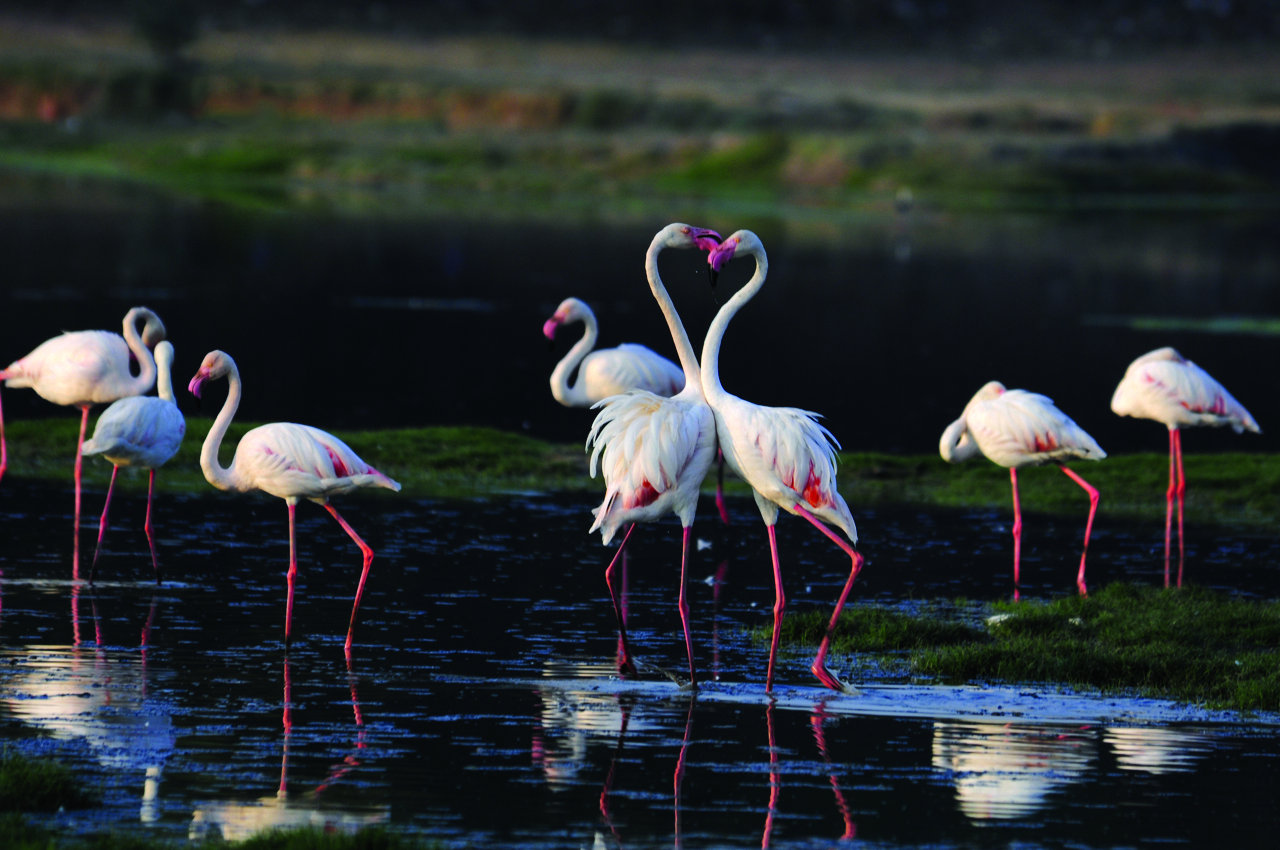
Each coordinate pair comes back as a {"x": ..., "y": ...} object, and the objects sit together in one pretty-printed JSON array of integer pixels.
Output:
[{"x": 819, "y": 717}]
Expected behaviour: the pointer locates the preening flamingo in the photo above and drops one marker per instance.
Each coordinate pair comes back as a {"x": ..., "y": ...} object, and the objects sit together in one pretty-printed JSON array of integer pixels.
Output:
[
  {"x": 1165, "y": 386},
  {"x": 1015, "y": 428},
  {"x": 612, "y": 371},
  {"x": 654, "y": 451},
  {"x": 140, "y": 431},
  {"x": 782, "y": 452},
  {"x": 289, "y": 461},
  {"x": 85, "y": 368}
]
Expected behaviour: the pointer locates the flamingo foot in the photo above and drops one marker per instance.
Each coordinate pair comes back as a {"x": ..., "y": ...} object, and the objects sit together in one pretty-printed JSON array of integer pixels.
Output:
[{"x": 830, "y": 680}]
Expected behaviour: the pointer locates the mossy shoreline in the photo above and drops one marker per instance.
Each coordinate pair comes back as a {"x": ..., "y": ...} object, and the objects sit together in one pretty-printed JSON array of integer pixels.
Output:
[{"x": 1241, "y": 490}]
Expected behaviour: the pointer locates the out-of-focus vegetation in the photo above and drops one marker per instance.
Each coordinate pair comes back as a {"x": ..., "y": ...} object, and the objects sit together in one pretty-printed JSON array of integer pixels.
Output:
[{"x": 1174, "y": 108}]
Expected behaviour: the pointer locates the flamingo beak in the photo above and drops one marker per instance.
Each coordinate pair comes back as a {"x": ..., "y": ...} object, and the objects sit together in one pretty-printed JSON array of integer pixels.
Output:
[
  {"x": 707, "y": 240},
  {"x": 196, "y": 387},
  {"x": 549, "y": 328},
  {"x": 719, "y": 258}
]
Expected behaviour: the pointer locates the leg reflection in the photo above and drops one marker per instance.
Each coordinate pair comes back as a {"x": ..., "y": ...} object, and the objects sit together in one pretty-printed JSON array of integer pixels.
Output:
[
  {"x": 679, "y": 776},
  {"x": 625, "y": 704},
  {"x": 819, "y": 717},
  {"x": 775, "y": 783}
]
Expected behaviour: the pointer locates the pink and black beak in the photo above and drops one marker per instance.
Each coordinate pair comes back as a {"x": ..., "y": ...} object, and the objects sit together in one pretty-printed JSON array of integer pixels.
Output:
[
  {"x": 719, "y": 258},
  {"x": 196, "y": 387}
]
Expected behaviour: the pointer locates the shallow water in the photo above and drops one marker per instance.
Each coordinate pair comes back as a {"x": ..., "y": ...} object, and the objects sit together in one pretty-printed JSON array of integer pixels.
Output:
[{"x": 479, "y": 705}]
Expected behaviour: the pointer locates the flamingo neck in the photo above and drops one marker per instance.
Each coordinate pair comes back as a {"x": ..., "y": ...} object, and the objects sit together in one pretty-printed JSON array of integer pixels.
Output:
[
  {"x": 223, "y": 479},
  {"x": 684, "y": 348},
  {"x": 164, "y": 380},
  {"x": 711, "y": 386},
  {"x": 142, "y": 384},
  {"x": 574, "y": 396}
]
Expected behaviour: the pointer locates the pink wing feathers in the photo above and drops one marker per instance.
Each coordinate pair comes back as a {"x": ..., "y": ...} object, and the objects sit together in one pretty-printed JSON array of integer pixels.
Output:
[
  {"x": 1168, "y": 388},
  {"x": 1020, "y": 428},
  {"x": 286, "y": 459}
]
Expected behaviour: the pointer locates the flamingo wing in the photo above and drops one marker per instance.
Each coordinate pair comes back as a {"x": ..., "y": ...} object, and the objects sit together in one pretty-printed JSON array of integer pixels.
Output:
[
  {"x": 139, "y": 430},
  {"x": 613, "y": 371},
  {"x": 298, "y": 461},
  {"x": 1021, "y": 428},
  {"x": 1178, "y": 393},
  {"x": 73, "y": 368}
]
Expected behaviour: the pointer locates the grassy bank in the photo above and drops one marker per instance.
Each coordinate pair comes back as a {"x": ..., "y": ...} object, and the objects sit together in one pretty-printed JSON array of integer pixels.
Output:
[
  {"x": 1190, "y": 645},
  {"x": 1234, "y": 489}
]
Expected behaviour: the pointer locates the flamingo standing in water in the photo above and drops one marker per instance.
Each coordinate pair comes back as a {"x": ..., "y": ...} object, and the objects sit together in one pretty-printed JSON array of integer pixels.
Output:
[
  {"x": 655, "y": 451},
  {"x": 289, "y": 461},
  {"x": 85, "y": 368},
  {"x": 1015, "y": 428},
  {"x": 782, "y": 452},
  {"x": 1165, "y": 386},
  {"x": 142, "y": 431},
  {"x": 612, "y": 371}
]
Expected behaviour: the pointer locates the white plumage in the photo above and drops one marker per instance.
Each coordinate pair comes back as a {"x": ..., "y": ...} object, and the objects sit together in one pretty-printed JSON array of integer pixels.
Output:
[
  {"x": 610, "y": 371},
  {"x": 783, "y": 453},
  {"x": 654, "y": 452},
  {"x": 289, "y": 461}
]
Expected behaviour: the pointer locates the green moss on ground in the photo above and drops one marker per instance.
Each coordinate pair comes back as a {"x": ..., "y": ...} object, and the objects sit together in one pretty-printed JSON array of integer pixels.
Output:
[
  {"x": 38, "y": 785},
  {"x": 1187, "y": 644}
]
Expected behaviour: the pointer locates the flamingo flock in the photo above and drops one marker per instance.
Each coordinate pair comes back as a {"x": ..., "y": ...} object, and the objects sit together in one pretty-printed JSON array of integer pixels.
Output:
[{"x": 658, "y": 430}]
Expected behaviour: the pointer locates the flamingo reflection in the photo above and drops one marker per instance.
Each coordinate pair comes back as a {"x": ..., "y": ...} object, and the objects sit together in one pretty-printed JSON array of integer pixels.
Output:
[
  {"x": 679, "y": 775},
  {"x": 235, "y": 821},
  {"x": 816, "y": 720},
  {"x": 775, "y": 783},
  {"x": 1157, "y": 749},
  {"x": 1008, "y": 771}
]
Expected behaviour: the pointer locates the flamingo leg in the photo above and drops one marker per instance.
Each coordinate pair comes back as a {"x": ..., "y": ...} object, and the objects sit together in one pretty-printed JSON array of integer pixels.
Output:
[
  {"x": 1182, "y": 489},
  {"x": 102, "y": 523},
  {"x": 1088, "y": 527},
  {"x": 1017, "y": 531},
  {"x": 720, "y": 503},
  {"x": 288, "y": 605},
  {"x": 816, "y": 720},
  {"x": 779, "y": 606},
  {"x": 775, "y": 782},
  {"x": 625, "y": 664},
  {"x": 146, "y": 526},
  {"x": 819, "y": 667},
  {"x": 75, "y": 546},
  {"x": 364, "y": 575},
  {"x": 287, "y": 722},
  {"x": 1168, "y": 501},
  {"x": 684, "y": 606},
  {"x": 678, "y": 779}
]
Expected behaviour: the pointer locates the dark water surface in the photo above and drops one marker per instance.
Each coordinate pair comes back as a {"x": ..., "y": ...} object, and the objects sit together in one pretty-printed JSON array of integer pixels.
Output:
[
  {"x": 479, "y": 705},
  {"x": 885, "y": 324}
]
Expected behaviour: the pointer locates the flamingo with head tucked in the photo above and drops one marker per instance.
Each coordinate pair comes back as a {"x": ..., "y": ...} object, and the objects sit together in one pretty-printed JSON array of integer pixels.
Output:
[
  {"x": 143, "y": 431},
  {"x": 655, "y": 451},
  {"x": 782, "y": 452},
  {"x": 85, "y": 368},
  {"x": 1165, "y": 386},
  {"x": 289, "y": 461},
  {"x": 1015, "y": 428}
]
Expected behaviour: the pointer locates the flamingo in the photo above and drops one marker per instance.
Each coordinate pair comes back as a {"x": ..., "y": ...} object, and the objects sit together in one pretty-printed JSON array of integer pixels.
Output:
[
  {"x": 655, "y": 452},
  {"x": 85, "y": 368},
  {"x": 1165, "y": 386},
  {"x": 1015, "y": 428},
  {"x": 289, "y": 461},
  {"x": 612, "y": 371},
  {"x": 142, "y": 431},
  {"x": 782, "y": 452}
]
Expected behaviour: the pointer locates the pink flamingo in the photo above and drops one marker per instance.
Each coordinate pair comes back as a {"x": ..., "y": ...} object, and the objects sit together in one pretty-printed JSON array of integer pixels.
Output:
[
  {"x": 289, "y": 461},
  {"x": 1015, "y": 428},
  {"x": 612, "y": 371},
  {"x": 1164, "y": 386},
  {"x": 85, "y": 368},
  {"x": 654, "y": 451},
  {"x": 783, "y": 453},
  {"x": 142, "y": 431}
]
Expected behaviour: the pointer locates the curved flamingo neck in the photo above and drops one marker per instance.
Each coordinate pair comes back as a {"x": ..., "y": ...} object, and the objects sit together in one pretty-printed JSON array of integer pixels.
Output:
[
  {"x": 223, "y": 479},
  {"x": 711, "y": 386},
  {"x": 575, "y": 395},
  {"x": 684, "y": 348},
  {"x": 164, "y": 377},
  {"x": 146, "y": 362}
]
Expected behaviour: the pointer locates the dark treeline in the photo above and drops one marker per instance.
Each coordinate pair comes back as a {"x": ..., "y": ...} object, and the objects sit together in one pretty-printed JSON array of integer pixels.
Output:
[{"x": 968, "y": 27}]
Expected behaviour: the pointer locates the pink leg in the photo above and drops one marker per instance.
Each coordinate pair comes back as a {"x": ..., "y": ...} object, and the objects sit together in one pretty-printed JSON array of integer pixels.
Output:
[
  {"x": 775, "y": 782},
  {"x": 1017, "y": 531},
  {"x": 816, "y": 720},
  {"x": 151, "y": 538},
  {"x": 364, "y": 575},
  {"x": 75, "y": 546},
  {"x": 625, "y": 664},
  {"x": 1088, "y": 527},
  {"x": 684, "y": 607},
  {"x": 288, "y": 605},
  {"x": 102, "y": 523},
  {"x": 679, "y": 775},
  {"x": 720, "y": 504},
  {"x": 1182, "y": 489},
  {"x": 1168, "y": 500},
  {"x": 288, "y": 727},
  {"x": 819, "y": 667},
  {"x": 623, "y": 650},
  {"x": 779, "y": 606}
]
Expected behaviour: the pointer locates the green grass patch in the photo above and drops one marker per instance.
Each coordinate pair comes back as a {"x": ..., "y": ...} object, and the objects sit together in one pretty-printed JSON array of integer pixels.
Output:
[
  {"x": 1187, "y": 644},
  {"x": 38, "y": 785}
]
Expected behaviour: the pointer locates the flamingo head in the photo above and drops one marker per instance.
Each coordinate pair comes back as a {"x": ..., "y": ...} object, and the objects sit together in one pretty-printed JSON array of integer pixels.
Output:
[
  {"x": 152, "y": 331},
  {"x": 570, "y": 310},
  {"x": 216, "y": 364},
  {"x": 742, "y": 241},
  {"x": 680, "y": 235}
]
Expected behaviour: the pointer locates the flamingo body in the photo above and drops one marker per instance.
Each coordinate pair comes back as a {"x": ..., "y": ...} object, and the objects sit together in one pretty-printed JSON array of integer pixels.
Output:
[{"x": 607, "y": 372}]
